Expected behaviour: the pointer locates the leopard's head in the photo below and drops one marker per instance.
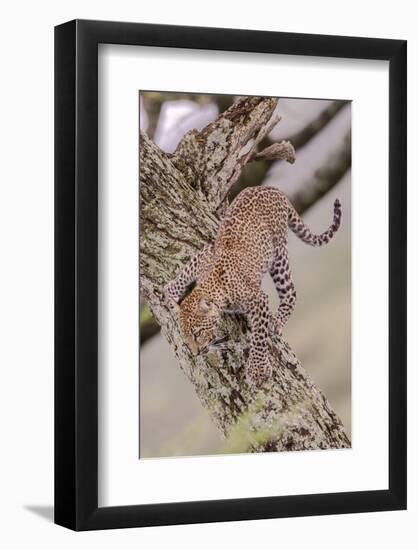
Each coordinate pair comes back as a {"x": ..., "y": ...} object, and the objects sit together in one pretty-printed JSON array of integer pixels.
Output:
[{"x": 198, "y": 317}]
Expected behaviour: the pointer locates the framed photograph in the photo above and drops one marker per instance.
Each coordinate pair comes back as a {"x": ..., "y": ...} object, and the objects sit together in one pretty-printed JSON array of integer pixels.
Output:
[{"x": 230, "y": 252}]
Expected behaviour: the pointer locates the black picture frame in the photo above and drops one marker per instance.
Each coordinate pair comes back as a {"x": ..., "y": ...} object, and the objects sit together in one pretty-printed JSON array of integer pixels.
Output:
[{"x": 76, "y": 271}]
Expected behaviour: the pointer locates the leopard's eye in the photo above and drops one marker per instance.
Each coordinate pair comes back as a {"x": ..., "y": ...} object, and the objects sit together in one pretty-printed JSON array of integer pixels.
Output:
[{"x": 197, "y": 332}]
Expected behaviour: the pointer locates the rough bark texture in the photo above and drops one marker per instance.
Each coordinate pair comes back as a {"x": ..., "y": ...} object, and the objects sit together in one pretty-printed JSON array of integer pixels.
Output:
[{"x": 181, "y": 198}]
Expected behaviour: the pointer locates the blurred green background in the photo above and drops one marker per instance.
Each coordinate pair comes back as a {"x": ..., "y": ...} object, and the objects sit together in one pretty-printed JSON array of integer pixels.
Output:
[{"x": 172, "y": 420}]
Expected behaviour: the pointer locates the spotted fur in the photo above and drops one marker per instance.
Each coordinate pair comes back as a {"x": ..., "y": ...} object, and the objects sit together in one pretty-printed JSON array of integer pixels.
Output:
[{"x": 251, "y": 240}]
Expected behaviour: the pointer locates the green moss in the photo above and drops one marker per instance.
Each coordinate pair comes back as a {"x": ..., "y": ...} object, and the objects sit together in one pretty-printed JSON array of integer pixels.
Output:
[
  {"x": 245, "y": 436},
  {"x": 145, "y": 316}
]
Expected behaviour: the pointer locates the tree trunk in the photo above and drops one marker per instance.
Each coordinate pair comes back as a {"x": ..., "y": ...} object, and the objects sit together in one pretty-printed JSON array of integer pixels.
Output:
[{"x": 181, "y": 198}]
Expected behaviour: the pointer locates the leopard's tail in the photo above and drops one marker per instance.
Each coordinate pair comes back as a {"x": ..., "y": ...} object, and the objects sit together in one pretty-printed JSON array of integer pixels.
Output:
[{"x": 297, "y": 225}]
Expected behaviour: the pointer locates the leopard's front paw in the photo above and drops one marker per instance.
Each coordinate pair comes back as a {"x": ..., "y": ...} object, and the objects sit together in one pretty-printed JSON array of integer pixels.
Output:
[
  {"x": 170, "y": 295},
  {"x": 275, "y": 325},
  {"x": 258, "y": 371}
]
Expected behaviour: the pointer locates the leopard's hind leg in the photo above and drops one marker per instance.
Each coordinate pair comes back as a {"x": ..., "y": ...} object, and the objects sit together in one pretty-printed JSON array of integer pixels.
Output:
[
  {"x": 258, "y": 368},
  {"x": 281, "y": 275}
]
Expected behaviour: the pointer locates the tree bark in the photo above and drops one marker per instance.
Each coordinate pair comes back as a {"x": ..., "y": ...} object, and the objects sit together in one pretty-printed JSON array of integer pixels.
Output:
[{"x": 181, "y": 196}]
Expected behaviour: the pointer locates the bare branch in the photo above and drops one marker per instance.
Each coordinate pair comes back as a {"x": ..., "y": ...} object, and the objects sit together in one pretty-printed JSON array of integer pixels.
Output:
[
  {"x": 326, "y": 177},
  {"x": 254, "y": 173},
  {"x": 283, "y": 150},
  {"x": 299, "y": 139}
]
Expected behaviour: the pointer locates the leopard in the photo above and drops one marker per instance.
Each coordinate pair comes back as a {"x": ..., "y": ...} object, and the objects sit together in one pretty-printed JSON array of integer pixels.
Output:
[{"x": 226, "y": 275}]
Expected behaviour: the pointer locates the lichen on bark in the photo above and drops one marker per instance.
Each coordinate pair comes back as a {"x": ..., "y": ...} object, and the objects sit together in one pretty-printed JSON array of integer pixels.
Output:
[{"x": 182, "y": 196}]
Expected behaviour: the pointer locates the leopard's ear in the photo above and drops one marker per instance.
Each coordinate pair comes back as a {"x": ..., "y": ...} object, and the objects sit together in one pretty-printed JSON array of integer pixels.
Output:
[
  {"x": 205, "y": 305},
  {"x": 208, "y": 307}
]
